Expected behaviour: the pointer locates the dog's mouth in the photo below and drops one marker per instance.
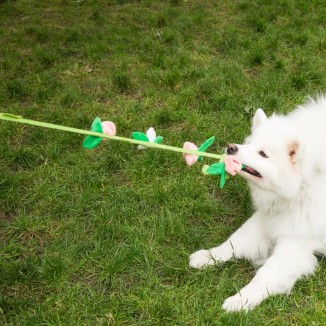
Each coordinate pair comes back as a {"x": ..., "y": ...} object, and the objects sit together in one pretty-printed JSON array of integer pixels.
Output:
[{"x": 251, "y": 171}]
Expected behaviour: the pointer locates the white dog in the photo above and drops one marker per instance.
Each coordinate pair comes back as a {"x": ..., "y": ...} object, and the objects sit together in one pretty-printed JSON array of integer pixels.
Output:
[{"x": 284, "y": 162}]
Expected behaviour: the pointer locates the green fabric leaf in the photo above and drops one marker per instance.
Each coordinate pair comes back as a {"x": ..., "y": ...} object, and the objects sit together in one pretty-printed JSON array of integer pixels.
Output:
[
  {"x": 222, "y": 180},
  {"x": 158, "y": 140},
  {"x": 90, "y": 141},
  {"x": 139, "y": 136},
  {"x": 96, "y": 125},
  {"x": 203, "y": 147},
  {"x": 216, "y": 168}
]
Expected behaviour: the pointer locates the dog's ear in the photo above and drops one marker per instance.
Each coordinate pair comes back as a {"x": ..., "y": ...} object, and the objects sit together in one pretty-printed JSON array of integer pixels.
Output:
[
  {"x": 292, "y": 151},
  {"x": 258, "y": 119}
]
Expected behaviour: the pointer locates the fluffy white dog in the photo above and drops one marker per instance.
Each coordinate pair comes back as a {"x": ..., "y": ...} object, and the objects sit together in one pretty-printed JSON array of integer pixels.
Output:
[{"x": 284, "y": 162}]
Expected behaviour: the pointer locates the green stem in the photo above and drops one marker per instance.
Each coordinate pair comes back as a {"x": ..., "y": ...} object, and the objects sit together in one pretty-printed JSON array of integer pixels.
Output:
[{"x": 13, "y": 118}]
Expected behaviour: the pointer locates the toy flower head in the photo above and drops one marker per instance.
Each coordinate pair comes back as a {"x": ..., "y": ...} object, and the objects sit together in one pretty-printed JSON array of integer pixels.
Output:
[
  {"x": 190, "y": 158},
  {"x": 109, "y": 128},
  {"x": 105, "y": 127},
  {"x": 232, "y": 165},
  {"x": 228, "y": 164},
  {"x": 150, "y": 137}
]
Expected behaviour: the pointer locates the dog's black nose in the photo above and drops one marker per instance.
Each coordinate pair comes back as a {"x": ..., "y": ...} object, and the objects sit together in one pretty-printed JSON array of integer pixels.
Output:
[{"x": 232, "y": 149}]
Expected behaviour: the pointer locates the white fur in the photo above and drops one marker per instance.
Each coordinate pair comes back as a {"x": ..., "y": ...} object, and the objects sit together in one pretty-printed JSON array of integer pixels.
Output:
[{"x": 289, "y": 225}]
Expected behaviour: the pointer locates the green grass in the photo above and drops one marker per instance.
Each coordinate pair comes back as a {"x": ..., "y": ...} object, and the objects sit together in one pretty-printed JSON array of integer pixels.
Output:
[{"x": 103, "y": 237}]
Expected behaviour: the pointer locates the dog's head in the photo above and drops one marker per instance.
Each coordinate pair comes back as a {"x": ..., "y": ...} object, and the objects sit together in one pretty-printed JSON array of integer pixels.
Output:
[{"x": 271, "y": 155}]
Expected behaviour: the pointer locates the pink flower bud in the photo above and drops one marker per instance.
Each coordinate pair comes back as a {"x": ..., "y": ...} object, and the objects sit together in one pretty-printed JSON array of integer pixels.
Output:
[
  {"x": 109, "y": 128},
  {"x": 190, "y": 159},
  {"x": 232, "y": 165}
]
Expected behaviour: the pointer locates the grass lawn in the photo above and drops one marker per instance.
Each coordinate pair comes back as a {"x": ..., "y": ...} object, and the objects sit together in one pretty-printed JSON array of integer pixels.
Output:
[{"x": 102, "y": 237}]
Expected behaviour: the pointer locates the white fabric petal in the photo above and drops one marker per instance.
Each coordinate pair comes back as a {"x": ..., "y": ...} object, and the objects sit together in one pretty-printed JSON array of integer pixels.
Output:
[{"x": 151, "y": 134}]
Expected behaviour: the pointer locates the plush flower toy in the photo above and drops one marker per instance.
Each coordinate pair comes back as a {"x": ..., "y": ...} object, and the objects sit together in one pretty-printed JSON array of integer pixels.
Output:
[{"x": 103, "y": 130}]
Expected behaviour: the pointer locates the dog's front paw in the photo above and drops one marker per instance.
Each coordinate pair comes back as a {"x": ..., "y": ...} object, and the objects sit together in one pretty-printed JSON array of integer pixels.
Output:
[
  {"x": 242, "y": 301},
  {"x": 201, "y": 258},
  {"x": 236, "y": 303}
]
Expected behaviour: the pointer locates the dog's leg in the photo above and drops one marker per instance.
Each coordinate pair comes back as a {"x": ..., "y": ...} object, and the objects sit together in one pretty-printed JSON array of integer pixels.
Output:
[
  {"x": 249, "y": 242},
  {"x": 289, "y": 262}
]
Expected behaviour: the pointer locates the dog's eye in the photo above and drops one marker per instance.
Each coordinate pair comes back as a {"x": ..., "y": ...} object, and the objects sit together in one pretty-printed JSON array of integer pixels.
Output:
[{"x": 263, "y": 154}]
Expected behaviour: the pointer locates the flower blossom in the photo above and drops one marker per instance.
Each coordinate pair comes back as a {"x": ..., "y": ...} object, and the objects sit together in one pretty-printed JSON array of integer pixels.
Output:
[
  {"x": 105, "y": 127},
  {"x": 151, "y": 135},
  {"x": 232, "y": 165},
  {"x": 109, "y": 128},
  {"x": 190, "y": 158}
]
